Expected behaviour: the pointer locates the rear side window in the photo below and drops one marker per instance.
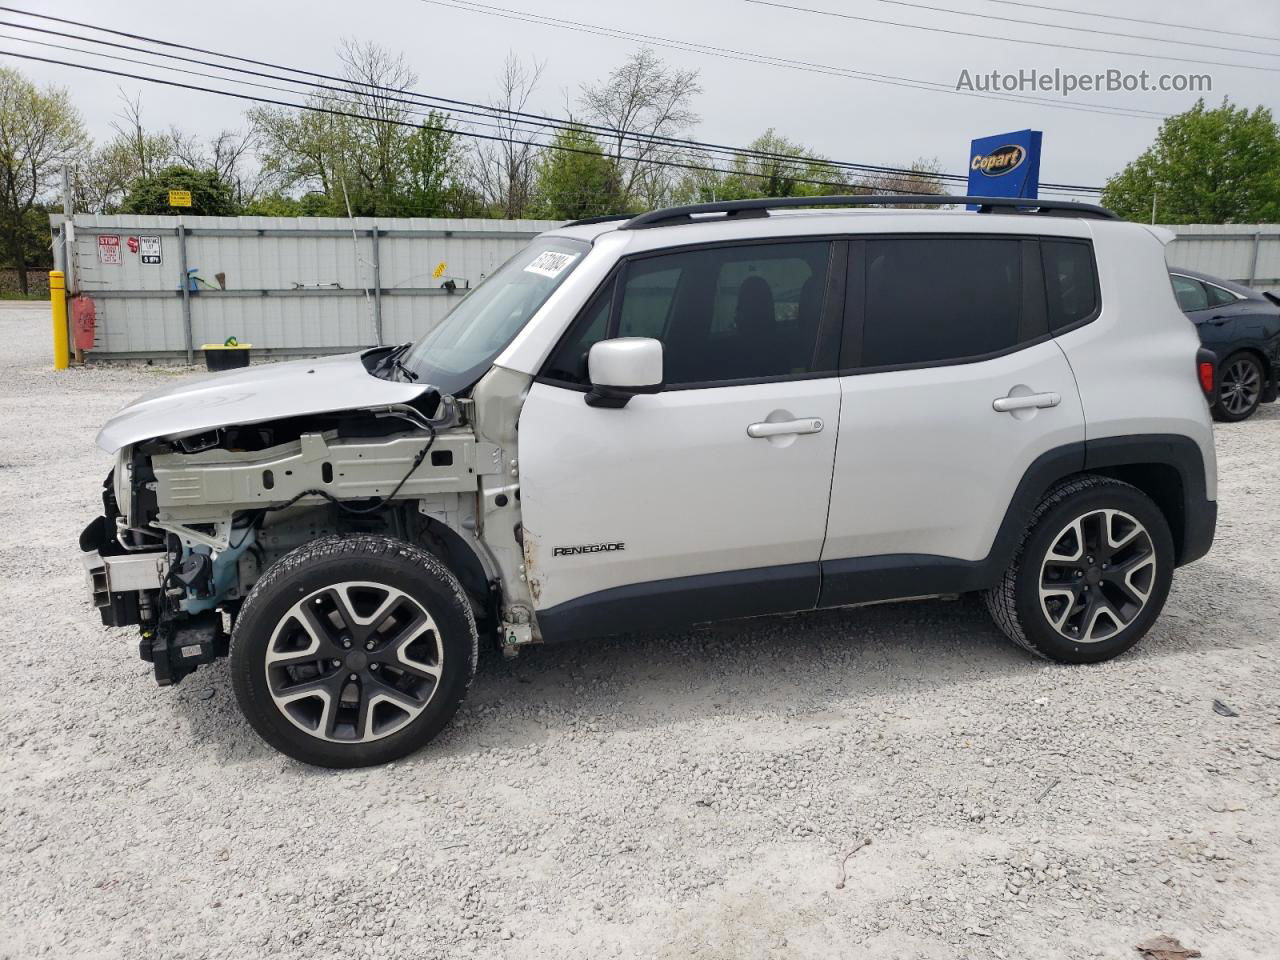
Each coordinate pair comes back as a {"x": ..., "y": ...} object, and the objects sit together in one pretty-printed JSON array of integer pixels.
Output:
[
  {"x": 723, "y": 314},
  {"x": 1070, "y": 282},
  {"x": 1191, "y": 294},
  {"x": 940, "y": 299}
]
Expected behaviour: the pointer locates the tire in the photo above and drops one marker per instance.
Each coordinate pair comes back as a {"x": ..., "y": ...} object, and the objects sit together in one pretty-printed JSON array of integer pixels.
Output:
[
  {"x": 1097, "y": 606},
  {"x": 353, "y": 651},
  {"x": 1241, "y": 382}
]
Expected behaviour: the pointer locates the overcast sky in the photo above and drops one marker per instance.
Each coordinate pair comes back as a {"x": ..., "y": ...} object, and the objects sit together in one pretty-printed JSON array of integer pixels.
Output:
[{"x": 458, "y": 54}]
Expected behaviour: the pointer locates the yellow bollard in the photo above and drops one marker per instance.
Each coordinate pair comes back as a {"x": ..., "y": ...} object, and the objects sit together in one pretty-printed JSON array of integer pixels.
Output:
[{"x": 58, "y": 304}]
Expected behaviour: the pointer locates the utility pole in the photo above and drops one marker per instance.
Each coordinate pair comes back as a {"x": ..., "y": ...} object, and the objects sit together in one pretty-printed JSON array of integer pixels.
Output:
[
  {"x": 68, "y": 230},
  {"x": 69, "y": 249}
]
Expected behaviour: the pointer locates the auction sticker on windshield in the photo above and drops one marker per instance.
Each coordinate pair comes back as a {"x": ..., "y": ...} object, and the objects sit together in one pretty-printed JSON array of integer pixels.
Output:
[{"x": 550, "y": 264}]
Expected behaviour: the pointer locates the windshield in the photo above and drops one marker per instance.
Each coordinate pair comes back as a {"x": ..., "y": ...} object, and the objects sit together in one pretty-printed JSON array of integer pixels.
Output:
[{"x": 457, "y": 352}]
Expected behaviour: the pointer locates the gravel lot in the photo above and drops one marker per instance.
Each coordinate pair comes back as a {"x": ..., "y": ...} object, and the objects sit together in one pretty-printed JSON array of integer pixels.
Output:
[{"x": 665, "y": 796}]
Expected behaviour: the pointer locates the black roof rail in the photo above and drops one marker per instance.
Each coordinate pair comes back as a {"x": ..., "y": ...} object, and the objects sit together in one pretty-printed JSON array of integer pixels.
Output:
[
  {"x": 752, "y": 209},
  {"x": 607, "y": 218}
]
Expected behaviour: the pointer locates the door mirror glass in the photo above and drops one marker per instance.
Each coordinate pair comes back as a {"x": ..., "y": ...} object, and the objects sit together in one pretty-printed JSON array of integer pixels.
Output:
[{"x": 621, "y": 368}]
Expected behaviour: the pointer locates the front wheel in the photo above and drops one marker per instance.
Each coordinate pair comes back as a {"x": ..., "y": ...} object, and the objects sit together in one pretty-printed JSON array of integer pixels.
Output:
[
  {"x": 353, "y": 651},
  {"x": 1091, "y": 575}
]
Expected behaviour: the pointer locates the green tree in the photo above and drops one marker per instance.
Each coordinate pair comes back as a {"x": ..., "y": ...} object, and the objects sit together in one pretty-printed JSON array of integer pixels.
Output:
[
  {"x": 40, "y": 134},
  {"x": 434, "y": 177},
  {"x": 303, "y": 151},
  {"x": 771, "y": 166},
  {"x": 278, "y": 204},
  {"x": 210, "y": 195},
  {"x": 367, "y": 158},
  {"x": 778, "y": 167},
  {"x": 1217, "y": 165},
  {"x": 575, "y": 179}
]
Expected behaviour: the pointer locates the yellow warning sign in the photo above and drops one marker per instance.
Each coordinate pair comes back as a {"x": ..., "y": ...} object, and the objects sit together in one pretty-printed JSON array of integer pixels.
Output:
[{"x": 179, "y": 198}]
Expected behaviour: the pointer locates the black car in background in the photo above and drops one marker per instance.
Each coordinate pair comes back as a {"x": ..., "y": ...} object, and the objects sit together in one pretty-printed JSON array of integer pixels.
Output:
[{"x": 1242, "y": 327}]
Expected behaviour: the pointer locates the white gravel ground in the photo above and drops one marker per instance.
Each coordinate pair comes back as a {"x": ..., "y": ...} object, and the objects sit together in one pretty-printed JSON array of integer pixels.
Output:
[{"x": 677, "y": 796}]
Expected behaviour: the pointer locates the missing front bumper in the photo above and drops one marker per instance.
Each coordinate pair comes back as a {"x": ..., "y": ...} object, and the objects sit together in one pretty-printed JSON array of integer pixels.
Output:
[{"x": 118, "y": 580}]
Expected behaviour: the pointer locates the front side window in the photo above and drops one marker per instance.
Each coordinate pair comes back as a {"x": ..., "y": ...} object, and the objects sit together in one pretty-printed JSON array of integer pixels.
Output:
[
  {"x": 940, "y": 299},
  {"x": 734, "y": 313},
  {"x": 1070, "y": 282},
  {"x": 454, "y": 355}
]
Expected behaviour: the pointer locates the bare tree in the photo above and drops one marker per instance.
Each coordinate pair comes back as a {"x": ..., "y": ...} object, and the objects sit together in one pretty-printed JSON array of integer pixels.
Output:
[
  {"x": 921, "y": 177},
  {"x": 356, "y": 157},
  {"x": 148, "y": 152},
  {"x": 226, "y": 153},
  {"x": 643, "y": 101},
  {"x": 376, "y": 81},
  {"x": 504, "y": 168},
  {"x": 101, "y": 180}
]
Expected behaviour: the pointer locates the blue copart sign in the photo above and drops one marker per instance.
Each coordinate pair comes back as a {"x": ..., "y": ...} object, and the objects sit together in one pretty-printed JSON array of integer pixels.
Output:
[{"x": 1005, "y": 165}]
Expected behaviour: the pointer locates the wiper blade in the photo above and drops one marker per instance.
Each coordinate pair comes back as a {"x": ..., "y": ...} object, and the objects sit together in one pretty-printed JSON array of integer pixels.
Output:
[
  {"x": 390, "y": 358},
  {"x": 412, "y": 375}
]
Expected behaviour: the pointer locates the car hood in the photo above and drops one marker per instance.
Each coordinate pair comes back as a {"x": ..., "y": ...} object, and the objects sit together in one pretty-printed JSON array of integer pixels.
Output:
[{"x": 268, "y": 391}]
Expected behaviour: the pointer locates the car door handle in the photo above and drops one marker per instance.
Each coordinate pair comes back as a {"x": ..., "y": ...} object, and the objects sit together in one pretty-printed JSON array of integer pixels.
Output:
[
  {"x": 1010, "y": 404},
  {"x": 782, "y": 428}
]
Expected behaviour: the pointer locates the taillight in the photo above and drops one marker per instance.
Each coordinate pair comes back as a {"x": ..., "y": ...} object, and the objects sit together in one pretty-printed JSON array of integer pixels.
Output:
[
  {"x": 1207, "y": 371},
  {"x": 1206, "y": 377}
]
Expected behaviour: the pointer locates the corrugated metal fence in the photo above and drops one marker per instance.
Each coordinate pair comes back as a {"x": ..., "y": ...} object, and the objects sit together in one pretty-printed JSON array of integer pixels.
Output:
[
  {"x": 305, "y": 285},
  {"x": 1246, "y": 253},
  {"x": 322, "y": 285}
]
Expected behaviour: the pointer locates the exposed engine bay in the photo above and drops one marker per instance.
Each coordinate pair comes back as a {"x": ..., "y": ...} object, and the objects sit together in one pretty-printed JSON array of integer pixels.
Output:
[{"x": 190, "y": 523}]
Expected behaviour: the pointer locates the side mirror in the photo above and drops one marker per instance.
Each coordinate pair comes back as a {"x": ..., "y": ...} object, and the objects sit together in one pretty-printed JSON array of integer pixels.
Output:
[{"x": 623, "y": 367}]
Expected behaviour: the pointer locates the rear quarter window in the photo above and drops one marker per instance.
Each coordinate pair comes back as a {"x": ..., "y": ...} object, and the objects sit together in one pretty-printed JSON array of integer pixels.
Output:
[
  {"x": 1070, "y": 282},
  {"x": 1218, "y": 297}
]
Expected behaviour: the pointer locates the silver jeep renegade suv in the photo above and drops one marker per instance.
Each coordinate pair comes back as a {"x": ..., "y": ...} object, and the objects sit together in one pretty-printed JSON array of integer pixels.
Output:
[{"x": 695, "y": 414}]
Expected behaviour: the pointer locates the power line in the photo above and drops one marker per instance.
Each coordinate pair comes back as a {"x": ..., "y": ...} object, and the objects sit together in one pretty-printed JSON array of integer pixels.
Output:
[
  {"x": 987, "y": 36},
  {"x": 414, "y": 126},
  {"x": 1062, "y": 26},
  {"x": 512, "y": 126},
  {"x": 725, "y": 53},
  {"x": 458, "y": 106},
  {"x": 315, "y": 93},
  {"x": 686, "y": 46},
  {"x": 514, "y": 118},
  {"x": 511, "y": 118},
  {"x": 793, "y": 161},
  {"x": 1114, "y": 16}
]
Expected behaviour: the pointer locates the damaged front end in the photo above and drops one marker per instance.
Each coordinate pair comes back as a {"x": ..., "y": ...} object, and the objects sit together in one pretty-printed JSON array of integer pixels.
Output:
[
  {"x": 137, "y": 579},
  {"x": 191, "y": 523}
]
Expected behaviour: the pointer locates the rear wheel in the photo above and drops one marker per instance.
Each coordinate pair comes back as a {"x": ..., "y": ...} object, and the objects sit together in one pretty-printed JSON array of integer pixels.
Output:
[
  {"x": 1091, "y": 575},
  {"x": 1241, "y": 380},
  {"x": 353, "y": 651}
]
